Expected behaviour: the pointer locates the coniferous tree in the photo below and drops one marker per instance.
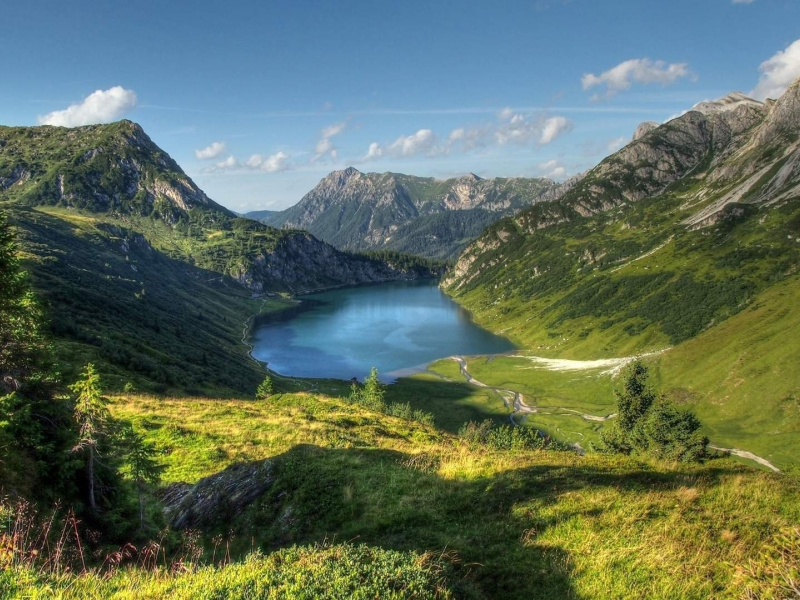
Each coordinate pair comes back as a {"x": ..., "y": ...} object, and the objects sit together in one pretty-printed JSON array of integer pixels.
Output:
[
  {"x": 92, "y": 416},
  {"x": 20, "y": 335},
  {"x": 144, "y": 468}
]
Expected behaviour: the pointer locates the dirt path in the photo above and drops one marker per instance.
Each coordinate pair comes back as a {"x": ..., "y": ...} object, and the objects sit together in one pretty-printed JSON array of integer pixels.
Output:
[
  {"x": 748, "y": 455},
  {"x": 516, "y": 402}
]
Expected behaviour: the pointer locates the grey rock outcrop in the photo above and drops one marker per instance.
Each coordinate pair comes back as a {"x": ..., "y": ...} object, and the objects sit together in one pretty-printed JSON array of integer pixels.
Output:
[{"x": 216, "y": 498}]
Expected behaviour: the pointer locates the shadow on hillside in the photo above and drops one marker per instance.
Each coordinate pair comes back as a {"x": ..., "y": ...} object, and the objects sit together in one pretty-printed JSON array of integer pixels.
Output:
[
  {"x": 452, "y": 403},
  {"x": 398, "y": 501},
  {"x": 144, "y": 316}
]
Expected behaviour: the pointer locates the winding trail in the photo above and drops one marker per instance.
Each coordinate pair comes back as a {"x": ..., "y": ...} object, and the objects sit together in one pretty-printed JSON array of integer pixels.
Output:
[
  {"x": 516, "y": 402},
  {"x": 748, "y": 455}
]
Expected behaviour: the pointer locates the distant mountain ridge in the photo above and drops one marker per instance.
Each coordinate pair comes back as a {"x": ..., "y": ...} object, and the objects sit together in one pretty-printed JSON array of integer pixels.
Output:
[{"x": 419, "y": 215}]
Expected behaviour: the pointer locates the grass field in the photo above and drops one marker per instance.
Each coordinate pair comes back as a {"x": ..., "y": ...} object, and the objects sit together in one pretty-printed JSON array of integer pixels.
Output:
[{"x": 533, "y": 524}]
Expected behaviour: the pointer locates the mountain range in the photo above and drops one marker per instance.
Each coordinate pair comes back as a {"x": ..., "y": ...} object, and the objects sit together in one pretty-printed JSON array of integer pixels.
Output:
[{"x": 417, "y": 215}]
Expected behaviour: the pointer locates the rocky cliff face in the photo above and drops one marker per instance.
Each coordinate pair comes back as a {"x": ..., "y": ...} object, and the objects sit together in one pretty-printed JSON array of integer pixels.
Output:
[
  {"x": 301, "y": 264},
  {"x": 350, "y": 209}
]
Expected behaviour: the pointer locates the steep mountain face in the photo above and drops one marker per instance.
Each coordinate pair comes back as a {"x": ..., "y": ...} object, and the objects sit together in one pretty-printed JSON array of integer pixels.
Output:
[
  {"x": 115, "y": 234},
  {"x": 114, "y": 167},
  {"x": 426, "y": 216},
  {"x": 693, "y": 222},
  {"x": 715, "y": 157}
]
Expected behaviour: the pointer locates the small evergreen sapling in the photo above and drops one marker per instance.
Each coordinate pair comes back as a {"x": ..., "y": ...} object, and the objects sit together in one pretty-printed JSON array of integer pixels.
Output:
[{"x": 265, "y": 389}]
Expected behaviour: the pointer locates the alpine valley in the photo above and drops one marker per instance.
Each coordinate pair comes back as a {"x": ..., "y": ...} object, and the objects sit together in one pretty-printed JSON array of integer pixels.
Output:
[{"x": 641, "y": 440}]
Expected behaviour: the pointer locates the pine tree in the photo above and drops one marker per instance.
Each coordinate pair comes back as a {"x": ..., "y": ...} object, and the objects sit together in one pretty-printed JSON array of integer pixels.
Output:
[
  {"x": 92, "y": 416},
  {"x": 144, "y": 468},
  {"x": 20, "y": 337},
  {"x": 265, "y": 389}
]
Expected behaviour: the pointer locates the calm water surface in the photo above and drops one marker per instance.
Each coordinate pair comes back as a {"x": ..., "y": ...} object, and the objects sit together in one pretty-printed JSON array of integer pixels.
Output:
[{"x": 397, "y": 327}]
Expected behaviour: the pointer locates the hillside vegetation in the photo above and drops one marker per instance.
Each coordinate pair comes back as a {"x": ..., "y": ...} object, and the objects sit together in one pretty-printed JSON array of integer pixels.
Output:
[
  {"x": 684, "y": 246},
  {"x": 522, "y": 524}
]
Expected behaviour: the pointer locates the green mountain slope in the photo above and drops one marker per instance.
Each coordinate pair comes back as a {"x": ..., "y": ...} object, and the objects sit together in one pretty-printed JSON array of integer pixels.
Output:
[
  {"x": 686, "y": 227},
  {"x": 419, "y": 215},
  {"x": 139, "y": 268}
]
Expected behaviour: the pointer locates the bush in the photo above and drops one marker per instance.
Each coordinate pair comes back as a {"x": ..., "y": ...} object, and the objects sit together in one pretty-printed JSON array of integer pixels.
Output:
[
  {"x": 371, "y": 395},
  {"x": 506, "y": 437}
]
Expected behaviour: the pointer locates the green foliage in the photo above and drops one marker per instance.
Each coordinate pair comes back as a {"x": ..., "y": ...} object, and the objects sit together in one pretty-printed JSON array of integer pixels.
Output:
[
  {"x": 340, "y": 572},
  {"x": 506, "y": 437},
  {"x": 21, "y": 341},
  {"x": 265, "y": 389},
  {"x": 91, "y": 410},
  {"x": 372, "y": 395},
  {"x": 405, "y": 262},
  {"x": 635, "y": 398},
  {"x": 142, "y": 465},
  {"x": 651, "y": 426}
]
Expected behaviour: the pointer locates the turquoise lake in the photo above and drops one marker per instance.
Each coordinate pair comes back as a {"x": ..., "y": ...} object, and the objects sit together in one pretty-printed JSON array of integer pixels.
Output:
[{"x": 398, "y": 327}]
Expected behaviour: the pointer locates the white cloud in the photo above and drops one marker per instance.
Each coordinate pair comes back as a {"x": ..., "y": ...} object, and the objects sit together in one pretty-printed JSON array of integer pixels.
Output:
[
  {"x": 102, "y": 106},
  {"x": 325, "y": 147},
  {"x": 552, "y": 169},
  {"x": 273, "y": 163},
  {"x": 209, "y": 152},
  {"x": 374, "y": 152},
  {"x": 228, "y": 163},
  {"x": 742, "y": 1},
  {"x": 637, "y": 70},
  {"x": 276, "y": 163},
  {"x": 553, "y": 128},
  {"x": 778, "y": 72},
  {"x": 517, "y": 129},
  {"x": 617, "y": 143},
  {"x": 421, "y": 142}
]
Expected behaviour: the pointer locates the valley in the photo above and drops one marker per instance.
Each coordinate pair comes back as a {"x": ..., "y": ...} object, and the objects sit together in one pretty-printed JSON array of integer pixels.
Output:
[{"x": 404, "y": 386}]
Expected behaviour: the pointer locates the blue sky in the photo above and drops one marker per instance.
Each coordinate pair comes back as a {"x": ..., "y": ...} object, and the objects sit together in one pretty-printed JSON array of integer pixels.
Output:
[{"x": 259, "y": 100}]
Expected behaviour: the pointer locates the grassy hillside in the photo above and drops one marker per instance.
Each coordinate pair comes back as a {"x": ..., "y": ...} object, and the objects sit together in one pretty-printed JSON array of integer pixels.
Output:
[
  {"x": 521, "y": 524},
  {"x": 683, "y": 246}
]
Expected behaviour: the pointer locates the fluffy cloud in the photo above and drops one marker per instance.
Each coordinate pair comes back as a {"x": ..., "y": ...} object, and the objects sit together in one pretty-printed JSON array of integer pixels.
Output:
[
  {"x": 778, "y": 72},
  {"x": 374, "y": 152},
  {"x": 273, "y": 163},
  {"x": 325, "y": 147},
  {"x": 228, "y": 163},
  {"x": 552, "y": 169},
  {"x": 637, "y": 70},
  {"x": 209, "y": 152},
  {"x": 421, "y": 142},
  {"x": 742, "y": 1},
  {"x": 515, "y": 128},
  {"x": 101, "y": 106},
  {"x": 552, "y": 129},
  {"x": 510, "y": 128}
]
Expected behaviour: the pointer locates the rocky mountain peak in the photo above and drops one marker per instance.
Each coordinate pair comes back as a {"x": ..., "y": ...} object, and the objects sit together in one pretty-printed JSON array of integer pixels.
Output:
[
  {"x": 725, "y": 104},
  {"x": 341, "y": 178},
  {"x": 643, "y": 129},
  {"x": 470, "y": 177}
]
